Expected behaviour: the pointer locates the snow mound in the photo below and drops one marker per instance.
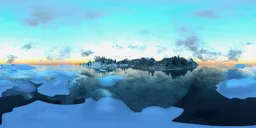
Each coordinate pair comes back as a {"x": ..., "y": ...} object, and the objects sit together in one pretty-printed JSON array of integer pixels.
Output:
[
  {"x": 238, "y": 88},
  {"x": 23, "y": 87},
  {"x": 54, "y": 83},
  {"x": 110, "y": 80},
  {"x": 6, "y": 84}
]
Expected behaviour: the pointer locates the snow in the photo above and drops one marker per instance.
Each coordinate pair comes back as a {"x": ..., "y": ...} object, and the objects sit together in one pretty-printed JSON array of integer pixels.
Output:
[
  {"x": 6, "y": 84},
  {"x": 54, "y": 83},
  {"x": 238, "y": 83},
  {"x": 24, "y": 87},
  {"x": 105, "y": 113},
  {"x": 110, "y": 80},
  {"x": 238, "y": 88}
]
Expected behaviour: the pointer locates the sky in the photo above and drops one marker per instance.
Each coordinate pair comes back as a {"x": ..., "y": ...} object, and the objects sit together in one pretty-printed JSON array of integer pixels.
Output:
[{"x": 74, "y": 31}]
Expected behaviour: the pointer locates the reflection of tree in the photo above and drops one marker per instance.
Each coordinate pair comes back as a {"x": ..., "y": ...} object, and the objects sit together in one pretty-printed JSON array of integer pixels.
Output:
[{"x": 151, "y": 73}]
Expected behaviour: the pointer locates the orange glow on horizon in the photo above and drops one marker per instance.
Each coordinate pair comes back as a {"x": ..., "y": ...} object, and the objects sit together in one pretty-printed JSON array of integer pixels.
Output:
[{"x": 79, "y": 62}]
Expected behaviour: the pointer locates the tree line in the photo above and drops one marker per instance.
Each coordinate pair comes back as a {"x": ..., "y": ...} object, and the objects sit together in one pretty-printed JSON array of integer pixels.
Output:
[{"x": 167, "y": 62}]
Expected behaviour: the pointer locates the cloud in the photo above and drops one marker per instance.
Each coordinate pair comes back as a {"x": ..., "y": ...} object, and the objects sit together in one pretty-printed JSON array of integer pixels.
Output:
[
  {"x": 190, "y": 42},
  {"x": 87, "y": 53},
  {"x": 200, "y": 27},
  {"x": 183, "y": 29},
  {"x": 206, "y": 14},
  {"x": 144, "y": 31},
  {"x": 117, "y": 46},
  {"x": 58, "y": 53},
  {"x": 234, "y": 54},
  {"x": 93, "y": 15},
  {"x": 65, "y": 52},
  {"x": 205, "y": 55},
  {"x": 249, "y": 43},
  {"x": 161, "y": 49},
  {"x": 27, "y": 47},
  {"x": 39, "y": 16},
  {"x": 136, "y": 47},
  {"x": 49, "y": 58},
  {"x": 193, "y": 44},
  {"x": 11, "y": 58},
  {"x": 51, "y": 14}
]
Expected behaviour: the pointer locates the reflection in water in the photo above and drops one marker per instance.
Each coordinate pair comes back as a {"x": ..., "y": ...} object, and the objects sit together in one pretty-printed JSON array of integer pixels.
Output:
[
  {"x": 177, "y": 73},
  {"x": 173, "y": 73}
]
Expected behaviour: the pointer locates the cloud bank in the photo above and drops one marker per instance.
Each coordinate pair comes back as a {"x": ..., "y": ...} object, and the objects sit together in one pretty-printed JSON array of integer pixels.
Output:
[{"x": 11, "y": 58}]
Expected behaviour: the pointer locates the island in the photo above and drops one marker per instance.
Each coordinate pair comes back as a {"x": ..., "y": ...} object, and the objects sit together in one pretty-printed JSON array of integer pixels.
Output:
[{"x": 148, "y": 64}]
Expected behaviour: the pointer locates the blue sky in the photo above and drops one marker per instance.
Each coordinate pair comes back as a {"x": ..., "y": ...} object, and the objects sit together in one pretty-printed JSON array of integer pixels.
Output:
[{"x": 213, "y": 30}]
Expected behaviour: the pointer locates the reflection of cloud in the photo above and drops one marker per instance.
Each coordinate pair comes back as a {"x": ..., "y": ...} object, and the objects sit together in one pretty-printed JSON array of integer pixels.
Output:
[
  {"x": 27, "y": 46},
  {"x": 11, "y": 58},
  {"x": 86, "y": 53},
  {"x": 206, "y": 14},
  {"x": 234, "y": 54}
]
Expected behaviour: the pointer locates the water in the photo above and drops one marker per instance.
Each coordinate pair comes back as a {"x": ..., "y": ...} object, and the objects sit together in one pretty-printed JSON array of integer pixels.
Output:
[{"x": 139, "y": 89}]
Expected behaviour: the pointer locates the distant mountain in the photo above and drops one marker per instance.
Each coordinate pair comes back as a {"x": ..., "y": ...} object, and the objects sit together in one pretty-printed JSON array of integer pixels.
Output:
[{"x": 172, "y": 63}]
